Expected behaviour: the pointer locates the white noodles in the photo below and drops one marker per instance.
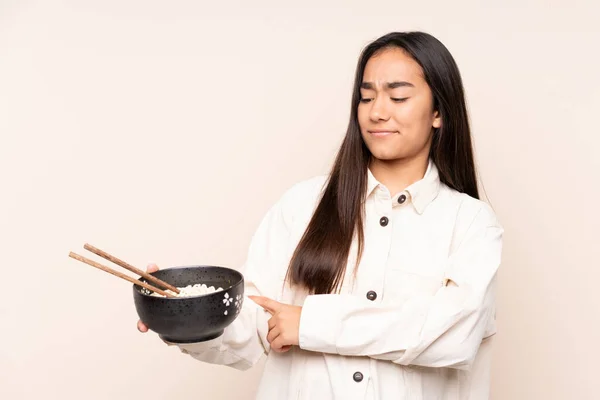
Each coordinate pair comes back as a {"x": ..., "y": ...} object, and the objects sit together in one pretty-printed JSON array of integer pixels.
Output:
[{"x": 198, "y": 289}]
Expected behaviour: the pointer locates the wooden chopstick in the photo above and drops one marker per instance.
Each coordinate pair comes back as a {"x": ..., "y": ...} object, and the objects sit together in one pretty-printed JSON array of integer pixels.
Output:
[
  {"x": 119, "y": 274},
  {"x": 131, "y": 268}
]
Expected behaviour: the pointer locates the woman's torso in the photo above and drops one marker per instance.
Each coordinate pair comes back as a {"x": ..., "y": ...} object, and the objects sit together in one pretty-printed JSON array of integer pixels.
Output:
[{"x": 404, "y": 256}]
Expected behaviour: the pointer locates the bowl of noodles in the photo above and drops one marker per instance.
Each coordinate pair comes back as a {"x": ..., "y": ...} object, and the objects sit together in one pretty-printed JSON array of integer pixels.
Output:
[{"x": 209, "y": 299}]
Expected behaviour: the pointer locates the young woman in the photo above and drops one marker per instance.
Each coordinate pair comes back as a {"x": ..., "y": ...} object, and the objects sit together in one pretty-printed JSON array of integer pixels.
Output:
[{"x": 378, "y": 280}]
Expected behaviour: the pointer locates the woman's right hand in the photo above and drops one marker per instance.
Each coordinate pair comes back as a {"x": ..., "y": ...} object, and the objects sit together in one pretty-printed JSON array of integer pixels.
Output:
[{"x": 140, "y": 325}]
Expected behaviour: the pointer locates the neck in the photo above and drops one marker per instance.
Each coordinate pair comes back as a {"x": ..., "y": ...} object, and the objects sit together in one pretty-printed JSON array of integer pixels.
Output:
[{"x": 399, "y": 174}]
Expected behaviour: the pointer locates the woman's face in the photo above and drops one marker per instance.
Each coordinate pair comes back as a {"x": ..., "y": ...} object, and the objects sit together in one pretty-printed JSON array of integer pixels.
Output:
[{"x": 396, "y": 114}]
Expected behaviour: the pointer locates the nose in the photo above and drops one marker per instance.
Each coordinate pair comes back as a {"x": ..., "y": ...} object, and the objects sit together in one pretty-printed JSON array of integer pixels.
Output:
[{"x": 379, "y": 110}]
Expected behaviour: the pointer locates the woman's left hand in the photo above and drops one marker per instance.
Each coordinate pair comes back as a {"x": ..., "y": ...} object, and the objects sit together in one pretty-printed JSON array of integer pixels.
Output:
[{"x": 284, "y": 325}]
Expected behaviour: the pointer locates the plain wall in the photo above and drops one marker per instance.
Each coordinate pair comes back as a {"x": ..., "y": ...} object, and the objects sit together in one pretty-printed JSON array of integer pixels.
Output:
[{"x": 163, "y": 131}]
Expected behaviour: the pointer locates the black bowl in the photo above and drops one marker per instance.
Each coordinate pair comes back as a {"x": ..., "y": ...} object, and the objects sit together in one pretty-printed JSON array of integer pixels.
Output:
[{"x": 192, "y": 319}]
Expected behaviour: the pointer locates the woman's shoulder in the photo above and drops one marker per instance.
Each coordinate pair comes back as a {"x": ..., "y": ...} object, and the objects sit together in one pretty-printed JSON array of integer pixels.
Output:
[
  {"x": 296, "y": 203},
  {"x": 312, "y": 186},
  {"x": 304, "y": 194},
  {"x": 469, "y": 208}
]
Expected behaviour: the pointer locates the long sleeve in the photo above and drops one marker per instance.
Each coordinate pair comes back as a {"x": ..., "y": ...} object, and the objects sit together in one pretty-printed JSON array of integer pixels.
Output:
[
  {"x": 244, "y": 341},
  {"x": 444, "y": 329}
]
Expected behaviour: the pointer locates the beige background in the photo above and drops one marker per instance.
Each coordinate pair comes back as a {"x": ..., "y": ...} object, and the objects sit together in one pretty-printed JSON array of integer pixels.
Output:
[{"x": 162, "y": 131}]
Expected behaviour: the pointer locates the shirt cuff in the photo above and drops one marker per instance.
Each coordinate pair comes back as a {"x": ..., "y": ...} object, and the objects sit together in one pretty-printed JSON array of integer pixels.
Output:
[{"x": 319, "y": 323}]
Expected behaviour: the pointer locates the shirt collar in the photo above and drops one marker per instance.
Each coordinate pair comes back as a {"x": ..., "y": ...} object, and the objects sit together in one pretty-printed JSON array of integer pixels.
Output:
[
  {"x": 372, "y": 182},
  {"x": 421, "y": 193}
]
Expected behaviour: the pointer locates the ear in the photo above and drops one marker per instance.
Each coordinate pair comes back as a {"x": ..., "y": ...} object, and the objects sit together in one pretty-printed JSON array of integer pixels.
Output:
[{"x": 437, "y": 120}]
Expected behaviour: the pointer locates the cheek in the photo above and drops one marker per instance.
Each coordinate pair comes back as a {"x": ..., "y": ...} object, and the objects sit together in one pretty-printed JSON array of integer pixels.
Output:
[
  {"x": 414, "y": 120},
  {"x": 363, "y": 116}
]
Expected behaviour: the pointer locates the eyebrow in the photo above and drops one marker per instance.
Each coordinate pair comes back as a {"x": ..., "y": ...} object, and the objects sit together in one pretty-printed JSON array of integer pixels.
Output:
[{"x": 390, "y": 85}]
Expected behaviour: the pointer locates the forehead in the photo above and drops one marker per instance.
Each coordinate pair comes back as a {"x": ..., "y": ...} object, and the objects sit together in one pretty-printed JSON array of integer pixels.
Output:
[{"x": 391, "y": 65}]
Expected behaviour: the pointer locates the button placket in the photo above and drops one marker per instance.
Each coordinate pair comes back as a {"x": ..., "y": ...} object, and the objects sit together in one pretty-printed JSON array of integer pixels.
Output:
[{"x": 378, "y": 239}]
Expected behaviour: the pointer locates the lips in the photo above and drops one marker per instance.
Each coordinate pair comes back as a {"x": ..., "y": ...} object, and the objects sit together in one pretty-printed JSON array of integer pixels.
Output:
[{"x": 382, "y": 133}]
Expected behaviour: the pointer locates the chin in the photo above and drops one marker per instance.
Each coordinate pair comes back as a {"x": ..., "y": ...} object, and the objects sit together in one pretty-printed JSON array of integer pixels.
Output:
[
  {"x": 388, "y": 159},
  {"x": 385, "y": 154}
]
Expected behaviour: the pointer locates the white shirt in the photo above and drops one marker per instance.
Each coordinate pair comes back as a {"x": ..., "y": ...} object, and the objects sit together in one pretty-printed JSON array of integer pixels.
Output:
[{"x": 418, "y": 339}]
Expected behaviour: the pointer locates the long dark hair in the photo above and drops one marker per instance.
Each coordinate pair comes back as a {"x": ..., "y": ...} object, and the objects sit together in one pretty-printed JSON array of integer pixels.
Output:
[{"x": 319, "y": 261}]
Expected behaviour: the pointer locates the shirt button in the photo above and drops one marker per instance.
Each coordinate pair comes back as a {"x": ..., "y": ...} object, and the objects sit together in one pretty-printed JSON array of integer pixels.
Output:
[
  {"x": 371, "y": 295},
  {"x": 358, "y": 377},
  {"x": 384, "y": 221},
  {"x": 401, "y": 199}
]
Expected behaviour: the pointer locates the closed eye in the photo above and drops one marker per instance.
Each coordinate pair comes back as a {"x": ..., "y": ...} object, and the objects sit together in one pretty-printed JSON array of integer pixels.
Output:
[{"x": 394, "y": 99}]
